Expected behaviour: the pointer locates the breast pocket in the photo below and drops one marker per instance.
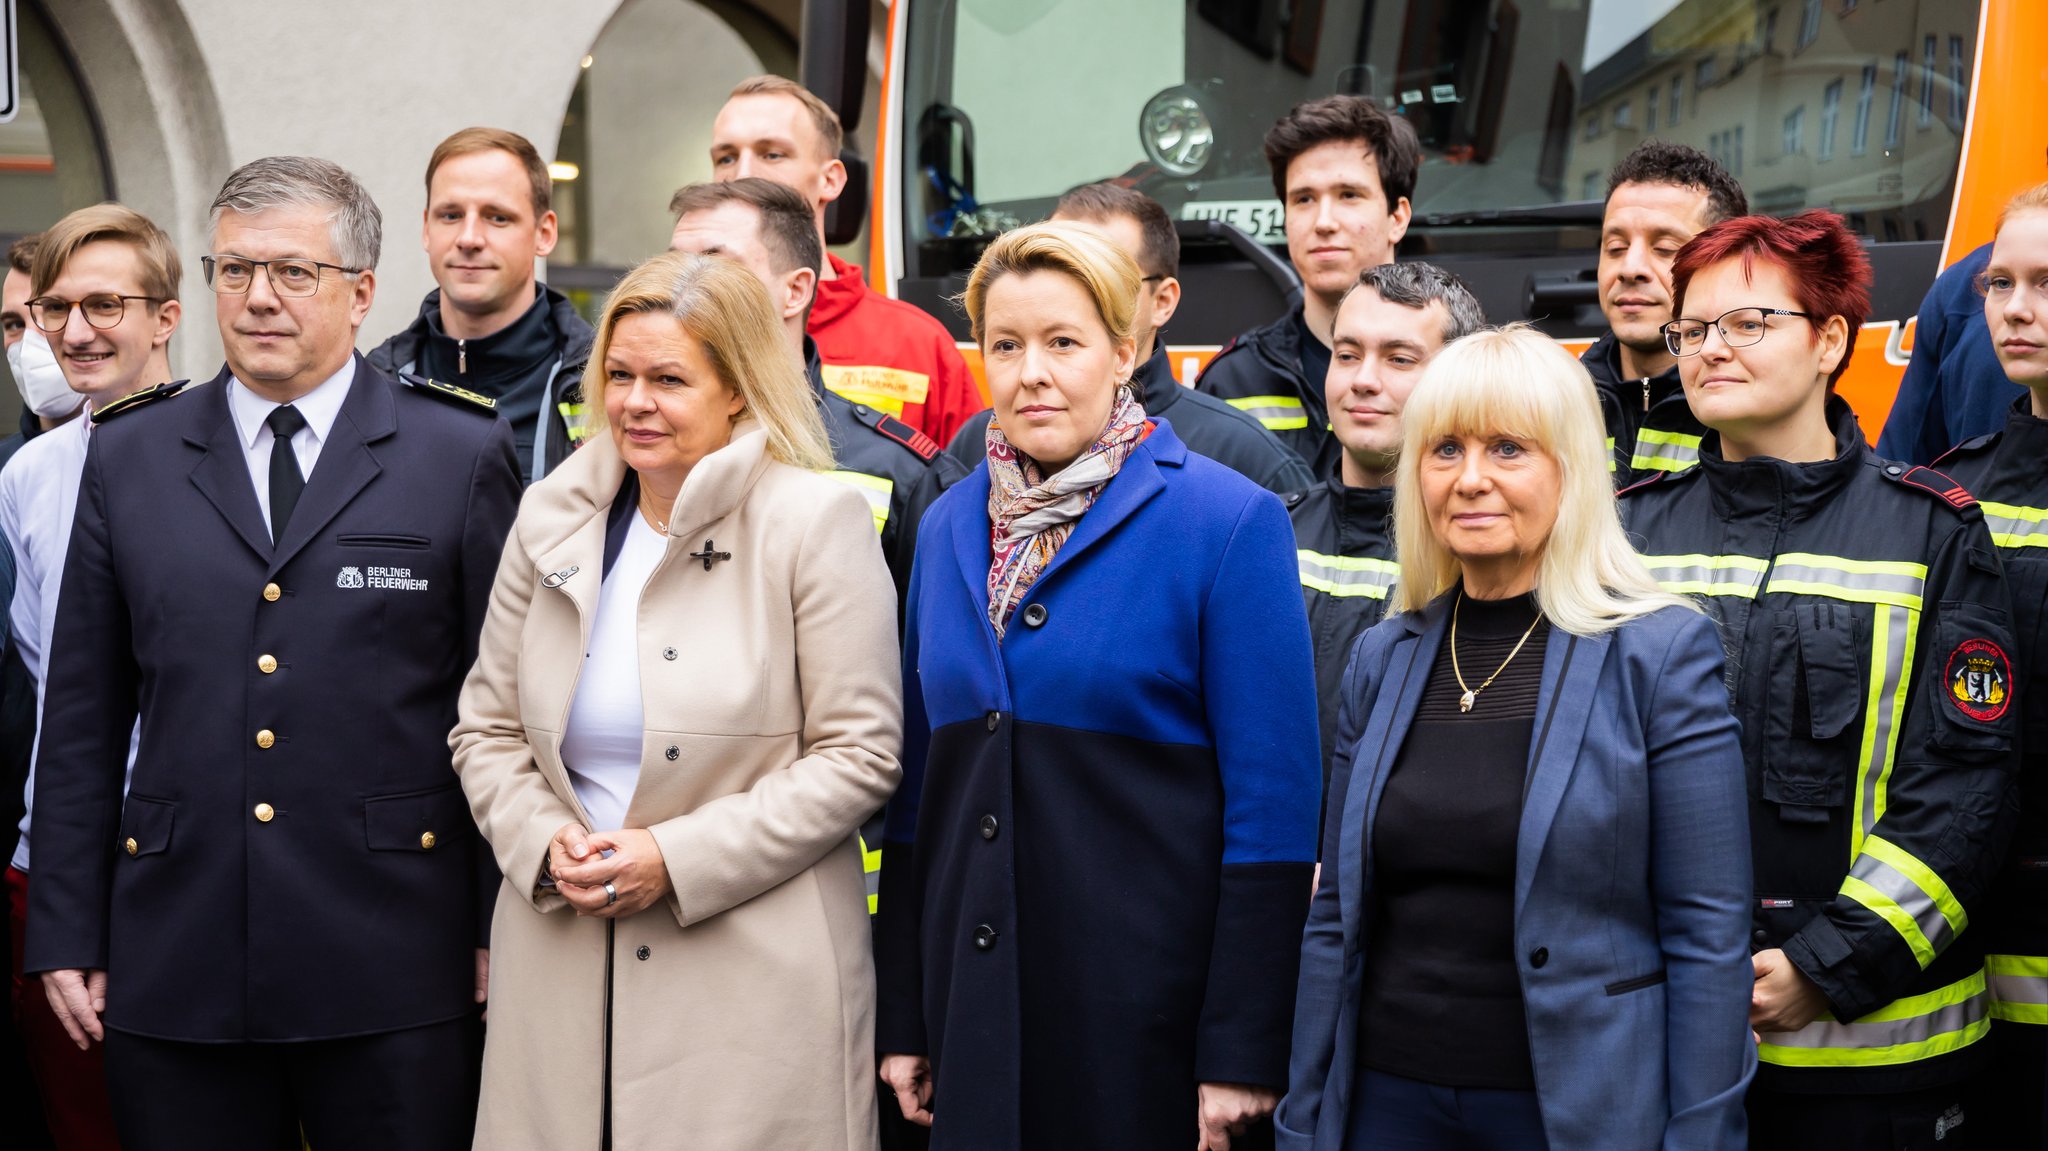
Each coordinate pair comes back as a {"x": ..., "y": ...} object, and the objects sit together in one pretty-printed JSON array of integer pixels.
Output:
[
  {"x": 1812, "y": 722},
  {"x": 384, "y": 540},
  {"x": 417, "y": 821}
]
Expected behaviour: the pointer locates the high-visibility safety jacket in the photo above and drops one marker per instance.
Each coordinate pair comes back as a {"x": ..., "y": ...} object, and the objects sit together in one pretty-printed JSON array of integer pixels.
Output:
[
  {"x": 2008, "y": 473},
  {"x": 1260, "y": 373},
  {"x": 1869, "y": 637},
  {"x": 1649, "y": 426},
  {"x": 1344, "y": 542}
]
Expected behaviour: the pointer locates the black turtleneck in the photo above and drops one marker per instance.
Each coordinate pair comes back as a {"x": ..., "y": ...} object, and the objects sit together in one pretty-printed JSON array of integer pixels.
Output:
[
  {"x": 1442, "y": 998},
  {"x": 511, "y": 365}
]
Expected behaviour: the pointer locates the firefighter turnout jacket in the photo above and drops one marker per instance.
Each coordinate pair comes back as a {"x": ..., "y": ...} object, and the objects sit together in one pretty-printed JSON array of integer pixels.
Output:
[
  {"x": 2008, "y": 473},
  {"x": 1869, "y": 635},
  {"x": 1344, "y": 542},
  {"x": 1650, "y": 428}
]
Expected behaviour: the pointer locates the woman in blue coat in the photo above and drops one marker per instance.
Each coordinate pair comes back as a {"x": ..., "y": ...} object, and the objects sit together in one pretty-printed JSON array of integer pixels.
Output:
[
  {"x": 1531, "y": 926},
  {"x": 1098, "y": 864}
]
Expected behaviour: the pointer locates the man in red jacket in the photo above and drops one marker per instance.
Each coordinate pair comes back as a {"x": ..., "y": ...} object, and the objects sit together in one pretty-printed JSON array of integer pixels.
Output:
[{"x": 875, "y": 350}]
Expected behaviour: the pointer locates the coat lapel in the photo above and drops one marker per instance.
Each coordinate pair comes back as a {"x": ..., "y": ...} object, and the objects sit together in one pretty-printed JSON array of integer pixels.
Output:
[
  {"x": 1386, "y": 728},
  {"x": 222, "y": 474},
  {"x": 345, "y": 466},
  {"x": 1564, "y": 704}
]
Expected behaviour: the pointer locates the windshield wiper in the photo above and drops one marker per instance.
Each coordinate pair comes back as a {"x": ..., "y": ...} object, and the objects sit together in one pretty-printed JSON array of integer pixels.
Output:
[{"x": 1570, "y": 212}]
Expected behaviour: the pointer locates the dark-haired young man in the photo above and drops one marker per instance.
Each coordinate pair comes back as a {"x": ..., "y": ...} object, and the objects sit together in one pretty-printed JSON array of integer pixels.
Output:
[
  {"x": 1344, "y": 170},
  {"x": 1658, "y": 197},
  {"x": 1139, "y": 225},
  {"x": 491, "y": 327}
]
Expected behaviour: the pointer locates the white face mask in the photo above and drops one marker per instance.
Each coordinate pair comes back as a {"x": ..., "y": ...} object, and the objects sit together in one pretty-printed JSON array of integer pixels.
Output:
[{"x": 40, "y": 379}]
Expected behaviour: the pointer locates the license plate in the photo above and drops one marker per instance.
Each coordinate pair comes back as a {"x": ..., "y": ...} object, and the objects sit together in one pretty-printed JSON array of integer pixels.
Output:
[{"x": 1262, "y": 220}]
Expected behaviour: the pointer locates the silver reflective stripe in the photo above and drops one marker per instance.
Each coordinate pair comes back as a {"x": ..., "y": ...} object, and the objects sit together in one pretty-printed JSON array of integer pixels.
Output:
[
  {"x": 1665, "y": 451},
  {"x": 2014, "y": 526},
  {"x": 1278, "y": 413},
  {"x": 1904, "y": 1031},
  {"x": 2019, "y": 988},
  {"x": 1901, "y": 893},
  {"x": 1708, "y": 575},
  {"x": 1347, "y": 575},
  {"x": 1893, "y": 636},
  {"x": 1858, "y": 581}
]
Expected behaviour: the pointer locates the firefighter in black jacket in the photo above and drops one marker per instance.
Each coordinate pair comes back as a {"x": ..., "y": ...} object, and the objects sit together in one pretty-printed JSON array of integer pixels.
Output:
[
  {"x": 1388, "y": 327},
  {"x": 1870, "y": 637},
  {"x": 2008, "y": 473}
]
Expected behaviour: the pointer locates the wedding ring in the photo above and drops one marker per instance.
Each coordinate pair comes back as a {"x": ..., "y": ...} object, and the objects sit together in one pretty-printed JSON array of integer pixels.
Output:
[{"x": 611, "y": 895}]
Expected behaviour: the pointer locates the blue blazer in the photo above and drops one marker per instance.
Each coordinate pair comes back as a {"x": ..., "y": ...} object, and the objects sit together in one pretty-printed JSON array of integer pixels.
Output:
[{"x": 1632, "y": 888}]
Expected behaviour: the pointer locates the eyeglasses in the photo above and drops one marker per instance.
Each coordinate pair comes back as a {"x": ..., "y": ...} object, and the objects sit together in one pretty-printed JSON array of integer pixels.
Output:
[
  {"x": 1739, "y": 328},
  {"x": 102, "y": 310},
  {"x": 1998, "y": 285},
  {"x": 233, "y": 275}
]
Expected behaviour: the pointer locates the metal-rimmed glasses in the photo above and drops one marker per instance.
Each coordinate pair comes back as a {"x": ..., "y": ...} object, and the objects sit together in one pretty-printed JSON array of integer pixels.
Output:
[
  {"x": 234, "y": 275},
  {"x": 1739, "y": 328},
  {"x": 102, "y": 310}
]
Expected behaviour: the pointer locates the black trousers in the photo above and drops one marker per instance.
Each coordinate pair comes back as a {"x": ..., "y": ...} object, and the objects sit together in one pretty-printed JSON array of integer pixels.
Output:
[
  {"x": 1937, "y": 1119},
  {"x": 2015, "y": 1094},
  {"x": 412, "y": 1090}
]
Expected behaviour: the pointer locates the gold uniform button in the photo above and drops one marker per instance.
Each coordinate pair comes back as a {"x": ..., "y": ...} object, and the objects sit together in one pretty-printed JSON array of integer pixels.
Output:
[
  {"x": 266, "y": 664},
  {"x": 427, "y": 841},
  {"x": 271, "y": 591},
  {"x": 265, "y": 813},
  {"x": 132, "y": 846},
  {"x": 264, "y": 738}
]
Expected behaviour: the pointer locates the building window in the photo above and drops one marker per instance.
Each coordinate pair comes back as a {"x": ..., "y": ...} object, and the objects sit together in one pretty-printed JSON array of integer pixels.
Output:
[
  {"x": 1927, "y": 81},
  {"x": 1590, "y": 186},
  {"x": 1894, "y": 120},
  {"x": 1650, "y": 108},
  {"x": 1736, "y": 168},
  {"x": 1767, "y": 30},
  {"x": 1624, "y": 113},
  {"x": 1677, "y": 90},
  {"x": 1957, "y": 79},
  {"x": 1702, "y": 79},
  {"x": 1859, "y": 137},
  {"x": 1592, "y": 127},
  {"x": 1830, "y": 115},
  {"x": 1809, "y": 23},
  {"x": 1795, "y": 130}
]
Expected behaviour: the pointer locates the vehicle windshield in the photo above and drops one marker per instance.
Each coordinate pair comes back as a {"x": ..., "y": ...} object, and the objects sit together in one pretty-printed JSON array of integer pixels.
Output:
[{"x": 1522, "y": 106}]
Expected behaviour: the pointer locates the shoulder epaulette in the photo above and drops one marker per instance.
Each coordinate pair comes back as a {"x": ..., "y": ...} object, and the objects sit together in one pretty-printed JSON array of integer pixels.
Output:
[
  {"x": 922, "y": 446},
  {"x": 1974, "y": 443},
  {"x": 134, "y": 400},
  {"x": 1657, "y": 477},
  {"x": 1934, "y": 483},
  {"x": 461, "y": 397}
]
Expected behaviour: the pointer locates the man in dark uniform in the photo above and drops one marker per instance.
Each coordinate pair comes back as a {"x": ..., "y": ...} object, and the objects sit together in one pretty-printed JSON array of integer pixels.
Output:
[
  {"x": 1139, "y": 225},
  {"x": 1344, "y": 170},
  {"x": 281, "y": 930},
  {"x": 1387, "y": 330},
  {"x": 490, "y": 327},
  {"x": 1658, "y": 197}
]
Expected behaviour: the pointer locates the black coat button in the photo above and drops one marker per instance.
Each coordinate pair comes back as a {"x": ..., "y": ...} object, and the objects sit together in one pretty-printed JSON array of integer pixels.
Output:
[
  {"x": 1539, "y": 957},
  {"x": 1762, "y": 937},
  {"x": 988, "y": 827},
  {"x": 643, "y": 952},
  {"x": 673, "y": 752},
  {"x": 984, "y": 937},
  {"x": 1034, "y": 615},
  {"x": 668, "y": 653},
  {"x": 995, "y": 720}
]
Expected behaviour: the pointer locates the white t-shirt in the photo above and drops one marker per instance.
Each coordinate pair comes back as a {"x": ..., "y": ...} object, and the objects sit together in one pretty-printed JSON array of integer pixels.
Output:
[{"x": 606, "y": 727}]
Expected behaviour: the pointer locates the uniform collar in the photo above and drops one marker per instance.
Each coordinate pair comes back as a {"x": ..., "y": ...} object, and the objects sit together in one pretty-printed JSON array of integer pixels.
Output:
[
  {"x": 1766, "y": 484},
  {"x": 506, "y": 354},
  {"x": 1155, "y": 381},
  {"x": 837, "y": 297},
  {"x": 320, "y": 406}
]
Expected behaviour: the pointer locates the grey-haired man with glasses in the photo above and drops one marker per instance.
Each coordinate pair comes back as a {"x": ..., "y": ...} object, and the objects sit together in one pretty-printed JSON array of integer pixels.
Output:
[{"x": 282, "y": 573}]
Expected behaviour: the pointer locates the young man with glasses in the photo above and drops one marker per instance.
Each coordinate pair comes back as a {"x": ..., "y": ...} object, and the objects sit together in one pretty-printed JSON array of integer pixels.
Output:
[
  {"x": 1870, "y": 639},
  {"x": 282, "y": 574},
  {"x": 103, "y": 288}
]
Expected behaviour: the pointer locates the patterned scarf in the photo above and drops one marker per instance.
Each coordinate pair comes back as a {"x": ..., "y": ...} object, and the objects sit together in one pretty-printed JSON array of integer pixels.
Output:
[{"x": 1031, "y": 514}]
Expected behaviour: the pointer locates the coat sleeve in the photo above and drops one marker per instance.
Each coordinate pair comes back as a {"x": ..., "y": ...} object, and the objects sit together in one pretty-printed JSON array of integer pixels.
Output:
[
  {"x": 1933, "y": 847},
  {"x": 1258, "y": 685},
  {"x": 899, "y": 918},
  {"x": 737, "y": 846},
  {"x": 90, "y": 709},
  {"x": 493, "y": 505},
  {"x": 515, "y": 809},
  {"x": 1917, "y": 428},
  {"x": 1700, "y": 884}
]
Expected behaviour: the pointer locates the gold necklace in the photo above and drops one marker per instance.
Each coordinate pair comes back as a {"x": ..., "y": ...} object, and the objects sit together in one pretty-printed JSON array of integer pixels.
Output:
[{"x": 1471, "y": 695}]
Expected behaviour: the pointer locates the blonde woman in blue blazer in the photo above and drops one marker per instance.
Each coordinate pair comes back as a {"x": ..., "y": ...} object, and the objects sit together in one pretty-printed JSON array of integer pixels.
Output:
[{"x": 1531, "y": 925}]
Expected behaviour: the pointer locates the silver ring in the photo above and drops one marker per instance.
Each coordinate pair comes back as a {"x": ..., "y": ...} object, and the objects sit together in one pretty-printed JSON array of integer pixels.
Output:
[{"x": 611, "y": 895}]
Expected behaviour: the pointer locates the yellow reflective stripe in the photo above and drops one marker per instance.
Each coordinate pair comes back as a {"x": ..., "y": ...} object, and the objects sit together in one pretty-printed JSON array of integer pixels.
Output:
[
  {"x": 1857, "y": 581},
  {"x": 1894, "y": 635},
  {"x": 1903, "y": 1031},
  {"x": 1696, "y": 574},
  {"x": 1883, "y": 906},
  {"x": 2014, "y": 526},
  {"x": 1665, "y": 451},
  {"x": 573, "y": 419},
  {"x": 1278, "y": 413},
  {"x": 871, "y": 871},
  {"x": 1347, "y": 575},
  {"x": 2019, "y": 988},
  {"x": 1612, "y": 465},
  {"x": 875, "y": 488},
  {"x": 1939, "y": 899}
]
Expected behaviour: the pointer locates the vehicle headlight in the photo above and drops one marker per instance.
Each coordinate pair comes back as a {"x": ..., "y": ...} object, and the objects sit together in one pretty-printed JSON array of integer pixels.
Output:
[{"x": 1176, "y": 132}]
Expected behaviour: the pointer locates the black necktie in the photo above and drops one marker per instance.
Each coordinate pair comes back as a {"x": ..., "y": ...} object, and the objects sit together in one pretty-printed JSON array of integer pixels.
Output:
[{"x": 286, "y": 482}]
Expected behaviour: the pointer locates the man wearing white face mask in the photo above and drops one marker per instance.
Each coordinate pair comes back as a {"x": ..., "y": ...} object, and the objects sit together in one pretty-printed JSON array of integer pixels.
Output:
[
  {"x": 102, "y": 308},
  {"x": 15, "y": 328}
]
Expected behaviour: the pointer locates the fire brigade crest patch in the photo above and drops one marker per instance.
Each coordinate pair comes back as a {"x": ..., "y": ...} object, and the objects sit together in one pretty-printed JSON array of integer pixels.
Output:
[{"x": 1980, "y": 679}]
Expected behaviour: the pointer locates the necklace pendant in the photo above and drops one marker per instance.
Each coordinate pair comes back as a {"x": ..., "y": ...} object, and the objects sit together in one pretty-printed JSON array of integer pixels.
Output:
[{"x": 1465, "y": 701}]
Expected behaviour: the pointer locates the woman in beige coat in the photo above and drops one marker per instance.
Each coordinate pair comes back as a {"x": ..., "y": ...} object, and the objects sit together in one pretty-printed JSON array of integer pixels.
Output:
[{"x": 686, "y": 702}]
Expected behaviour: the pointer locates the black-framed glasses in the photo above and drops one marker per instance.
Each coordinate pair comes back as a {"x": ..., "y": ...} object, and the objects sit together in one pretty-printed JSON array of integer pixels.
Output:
[
  {"x": 233, "y": 275},
  {"x": 1739, "y": 328},
  {"x": 102, "y": 310}
]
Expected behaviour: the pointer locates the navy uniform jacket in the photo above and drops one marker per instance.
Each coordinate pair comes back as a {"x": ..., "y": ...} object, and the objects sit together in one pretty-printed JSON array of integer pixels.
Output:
[
  {"x": 295, "y": 859},
  {"x": 1650, "y": 427},
  {"x": 1109, "y": 817},
  {"x": 1260, "y": 373},
  {"x": 1344, "y": 544}
]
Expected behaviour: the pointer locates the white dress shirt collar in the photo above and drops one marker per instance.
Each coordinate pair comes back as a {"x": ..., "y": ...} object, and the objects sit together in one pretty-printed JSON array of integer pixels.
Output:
[{"x": 320, "y": 407}]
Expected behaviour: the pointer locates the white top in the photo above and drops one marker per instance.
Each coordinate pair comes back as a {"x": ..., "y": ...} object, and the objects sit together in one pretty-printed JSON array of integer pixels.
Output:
[
  {"x": 38, "y": 500},
  {"x": 602, "y": 744},
  {"x": 320, "y": 407}
]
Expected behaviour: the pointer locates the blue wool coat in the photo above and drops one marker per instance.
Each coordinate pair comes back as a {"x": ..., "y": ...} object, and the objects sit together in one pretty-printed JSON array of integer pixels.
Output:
[{"x": 1098, "y": 863}]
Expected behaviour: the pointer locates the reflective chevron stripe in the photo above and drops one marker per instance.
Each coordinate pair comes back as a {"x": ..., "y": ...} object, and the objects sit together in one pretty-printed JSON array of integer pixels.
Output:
[
  {"x": 2019, "y": 988},
  {"x": 875, "y": 488},
  {"x": 2013, "y": 526},
  {"x": 1278, "y": 413},
  {"x": 871, "y": 869},
  {"x": 1903, "y": 1031},
  {"x": 1665, "y": 451},
  {"x": 1907, "y": 894},
  {"x": 1347, "y": 575},
  {"x": 1708, "y": 575}
]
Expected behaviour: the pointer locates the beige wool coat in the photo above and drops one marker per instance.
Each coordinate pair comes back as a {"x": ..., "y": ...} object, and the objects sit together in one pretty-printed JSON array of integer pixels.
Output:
[{"x": 741, "y": 1008}]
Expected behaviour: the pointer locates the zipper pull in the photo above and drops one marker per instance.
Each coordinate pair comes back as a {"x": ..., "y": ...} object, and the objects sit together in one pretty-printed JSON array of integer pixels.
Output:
[
  {"x": 1646, "y": 393},
  {"x": 462, "y": 368}
]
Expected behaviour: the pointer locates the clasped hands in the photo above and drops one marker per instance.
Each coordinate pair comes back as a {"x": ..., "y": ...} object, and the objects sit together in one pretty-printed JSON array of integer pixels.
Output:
[{"x": 583, "y": 862}]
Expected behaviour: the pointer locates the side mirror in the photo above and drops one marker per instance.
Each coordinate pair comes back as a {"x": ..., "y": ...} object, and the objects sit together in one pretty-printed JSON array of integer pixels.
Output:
[{"x": 844, "y": 216}]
